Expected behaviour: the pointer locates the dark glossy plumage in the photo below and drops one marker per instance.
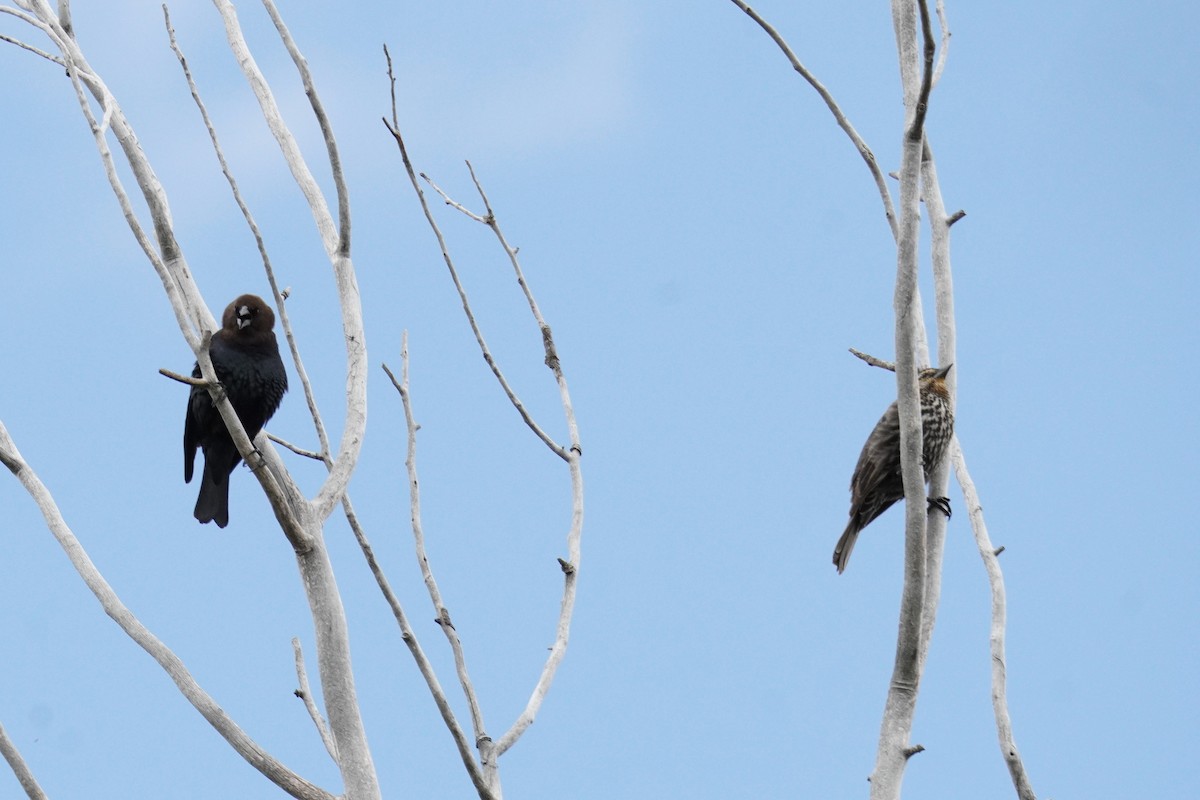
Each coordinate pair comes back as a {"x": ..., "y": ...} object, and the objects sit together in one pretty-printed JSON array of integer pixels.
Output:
[
  {"x": 877, "y": 482},
  {"x": 246, "y": 358}
]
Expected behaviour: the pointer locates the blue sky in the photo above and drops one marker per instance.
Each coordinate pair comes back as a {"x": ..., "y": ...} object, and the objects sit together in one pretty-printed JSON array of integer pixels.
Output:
[{"x": 706, "y": 245}]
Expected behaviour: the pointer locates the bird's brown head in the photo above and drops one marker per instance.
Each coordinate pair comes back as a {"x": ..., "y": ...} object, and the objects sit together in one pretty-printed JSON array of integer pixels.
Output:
[
  {"x": 248, "y": 314},
  {"x": 934, "y": 379}
]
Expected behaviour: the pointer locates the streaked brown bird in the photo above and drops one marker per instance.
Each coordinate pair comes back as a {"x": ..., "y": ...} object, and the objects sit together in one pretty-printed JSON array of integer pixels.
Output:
[
  {"x": 877, "y": 482},
  {"x": 246, "y": 358}
]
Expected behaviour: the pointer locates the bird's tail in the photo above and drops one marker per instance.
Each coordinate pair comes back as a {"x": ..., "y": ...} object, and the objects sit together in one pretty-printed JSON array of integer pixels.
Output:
[
  {"x": 213, "y": 503},
  {"x": 841, "y": 553}
]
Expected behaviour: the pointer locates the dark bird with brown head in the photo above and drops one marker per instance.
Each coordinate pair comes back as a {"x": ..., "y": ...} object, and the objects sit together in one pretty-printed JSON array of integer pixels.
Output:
[
  {"x": 246, "y": 358},
  {"x": 878, "y": 482}
]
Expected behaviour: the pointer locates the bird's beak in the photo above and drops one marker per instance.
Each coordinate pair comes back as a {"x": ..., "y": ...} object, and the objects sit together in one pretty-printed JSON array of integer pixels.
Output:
[
  {"x": 943, "y": 372},
  {"x": 243, "y": 317}
]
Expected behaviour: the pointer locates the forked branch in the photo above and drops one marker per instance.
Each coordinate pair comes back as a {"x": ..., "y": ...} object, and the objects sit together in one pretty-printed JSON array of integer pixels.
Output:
[{"x": 571, "y": 454}]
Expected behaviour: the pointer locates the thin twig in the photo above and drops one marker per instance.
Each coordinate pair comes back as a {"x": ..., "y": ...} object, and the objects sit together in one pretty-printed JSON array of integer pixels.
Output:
[
  {"x": 300, "y": 451},
  {"x": 873, "y": 361},
  {"x": 484, "y": 775},
  {"x": 305, "y": 694},
  {"x": 20, "y": 769},
  {"x": 188, "y": 379},
  {"x": 842, "y": 121},
  {"x": 393, "y": 128},
  {"x": 32, "y": 49},
  {"x": 183, "y": 293},
  {"x": 331, "y": 148},
  {"x": 435, "y": 595},
  {"x": 450, "y": 201},
  {"x": 1008, "y": 746}
]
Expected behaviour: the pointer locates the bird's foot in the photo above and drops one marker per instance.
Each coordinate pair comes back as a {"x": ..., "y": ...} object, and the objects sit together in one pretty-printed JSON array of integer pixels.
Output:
[{"x": 941, "y": 504}]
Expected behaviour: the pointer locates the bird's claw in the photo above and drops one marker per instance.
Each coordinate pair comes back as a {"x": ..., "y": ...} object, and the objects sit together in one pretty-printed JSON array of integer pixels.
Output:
[{"x": 941, "y": 504}]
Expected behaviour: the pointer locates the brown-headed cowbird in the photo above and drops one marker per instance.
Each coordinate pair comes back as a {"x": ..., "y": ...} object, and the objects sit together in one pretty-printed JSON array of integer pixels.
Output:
[
  {"x": 878, "y": 482},
  {"x": 246, "y": 358}
]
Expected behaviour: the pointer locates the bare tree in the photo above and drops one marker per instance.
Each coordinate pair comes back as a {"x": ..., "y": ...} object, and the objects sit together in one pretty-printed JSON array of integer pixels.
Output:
[
  {"x": 920, "y": 67},
  {"x": 302, "y": 519}
]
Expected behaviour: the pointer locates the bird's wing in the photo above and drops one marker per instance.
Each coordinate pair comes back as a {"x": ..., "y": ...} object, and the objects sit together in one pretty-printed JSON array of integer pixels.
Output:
[{"x": 878, "y": 455}]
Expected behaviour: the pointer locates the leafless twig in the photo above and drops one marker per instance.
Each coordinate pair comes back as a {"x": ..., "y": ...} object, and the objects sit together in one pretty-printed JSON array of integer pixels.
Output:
[
  {"x": 32, "y": 49},
  {"x": 305, "y": 694},
  {"x": 300, "y": 451},
  {"x": 1008, "y": 746},
  {"x": 188, "y": 379},
  {"x": 873, "y": 361},
  {"x": 842, "y": 121},
  {"x": 484, "y": 774},
  {"x": 466, "y": 303}
]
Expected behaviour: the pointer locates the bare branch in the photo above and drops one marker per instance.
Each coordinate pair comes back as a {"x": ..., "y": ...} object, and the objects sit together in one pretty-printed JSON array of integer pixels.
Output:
[
  {"x": 300, "y": 451},
  {"x": 435, "y": 595},
  {"x": 909, "y": 661},
  {"x": 305, "y": 694},
  {"x": 1008, "y": 747},
  {"x": 944, "y": 49},
  {"x": 335, "y": 160},
  {"x": 842, "y": 121},
  {"x": 944, "y": 305},
  {"x": 458, "y": 285},
  {"x": 450, "y": 201},
  {"x": 916, "y": 130},
  {"x": 32, "y": 49},
  {"x": 17, "y": 764},
  {"x": 572, "y": 457},
  {"x": 271, "y": 768},
  {"x": 191, "y": 313},
  {"x": 485, "y": 777},
  {"x": 873, "y": 361},
  {"x": 187, "y": 379}
]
